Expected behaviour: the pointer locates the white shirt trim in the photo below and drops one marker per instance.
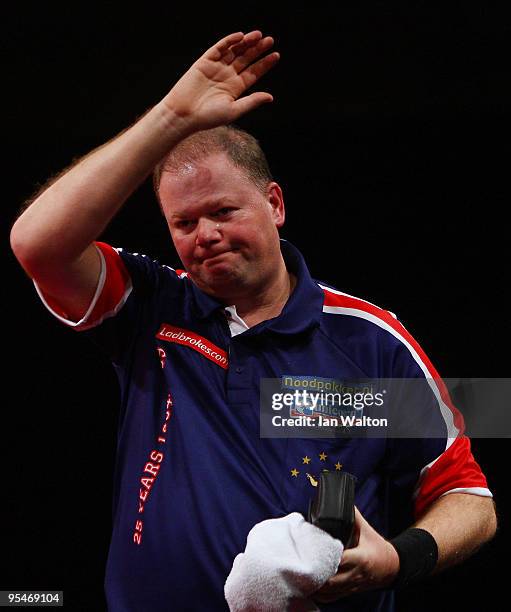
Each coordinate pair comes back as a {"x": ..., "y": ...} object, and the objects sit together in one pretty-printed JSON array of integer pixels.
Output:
[
  {"x": 99, "y": 289},
  {"x": 236, "y": 324}
]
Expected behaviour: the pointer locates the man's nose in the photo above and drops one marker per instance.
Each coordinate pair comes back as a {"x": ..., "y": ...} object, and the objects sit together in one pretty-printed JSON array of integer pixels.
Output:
[{"x": 208, "y": 231}]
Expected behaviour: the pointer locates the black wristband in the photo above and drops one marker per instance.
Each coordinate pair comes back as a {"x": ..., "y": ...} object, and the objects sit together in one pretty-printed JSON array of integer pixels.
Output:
[{"x": 418, "y": 553}]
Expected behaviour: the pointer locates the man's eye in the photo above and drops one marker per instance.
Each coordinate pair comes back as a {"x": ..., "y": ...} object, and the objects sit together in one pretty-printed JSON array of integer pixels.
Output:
[
  {"x": 223, "y": 211},
  {"x": 184, "y": 224}
]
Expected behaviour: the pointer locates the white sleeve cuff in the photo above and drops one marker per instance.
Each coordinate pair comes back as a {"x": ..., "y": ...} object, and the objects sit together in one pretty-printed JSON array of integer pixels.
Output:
[
  {"x": 85, "y": 318},
  {"x": 481, "y": 491}
]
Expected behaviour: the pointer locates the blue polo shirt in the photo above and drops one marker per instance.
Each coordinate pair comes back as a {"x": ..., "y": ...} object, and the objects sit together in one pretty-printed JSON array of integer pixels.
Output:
[{"x": 193, "y": 475}]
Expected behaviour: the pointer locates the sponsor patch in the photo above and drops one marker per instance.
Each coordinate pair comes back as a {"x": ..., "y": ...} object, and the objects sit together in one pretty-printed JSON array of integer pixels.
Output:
[{"x": 202, "y": 345}]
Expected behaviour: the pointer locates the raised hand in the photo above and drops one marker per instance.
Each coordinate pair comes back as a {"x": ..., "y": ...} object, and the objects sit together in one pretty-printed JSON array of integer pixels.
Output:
[{"x": 208, "y": 94}]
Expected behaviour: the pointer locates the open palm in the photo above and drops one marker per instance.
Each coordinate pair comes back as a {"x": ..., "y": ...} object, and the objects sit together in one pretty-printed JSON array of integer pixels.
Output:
[{"x": 208, "y": 94}]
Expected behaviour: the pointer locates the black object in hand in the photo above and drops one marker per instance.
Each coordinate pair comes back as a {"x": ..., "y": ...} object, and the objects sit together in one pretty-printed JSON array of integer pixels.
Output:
[{"x": 333, "y": 508}]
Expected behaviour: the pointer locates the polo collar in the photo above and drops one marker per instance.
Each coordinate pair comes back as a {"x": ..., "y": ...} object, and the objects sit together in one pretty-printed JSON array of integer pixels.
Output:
[{"x": 302, "y": 310}]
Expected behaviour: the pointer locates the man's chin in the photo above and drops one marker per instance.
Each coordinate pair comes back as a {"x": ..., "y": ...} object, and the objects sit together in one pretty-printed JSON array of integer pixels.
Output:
[{"x": 217, "y": 278}]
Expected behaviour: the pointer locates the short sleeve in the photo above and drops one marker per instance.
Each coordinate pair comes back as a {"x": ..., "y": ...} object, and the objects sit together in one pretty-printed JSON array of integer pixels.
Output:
[
  {"x": 114, "y": 288},
  {"x": 125, "y": 304},
  {"x": 422, "y": 468},
  {"x": 427, "y": 454}
]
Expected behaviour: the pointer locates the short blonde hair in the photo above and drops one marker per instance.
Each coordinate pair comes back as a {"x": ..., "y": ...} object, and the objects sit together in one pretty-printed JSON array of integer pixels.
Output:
[{"x": 239, "y": 146}]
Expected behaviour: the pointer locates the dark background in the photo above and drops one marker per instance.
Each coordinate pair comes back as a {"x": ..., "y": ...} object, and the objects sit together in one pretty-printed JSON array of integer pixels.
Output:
[{"x": 389, "y": 135}]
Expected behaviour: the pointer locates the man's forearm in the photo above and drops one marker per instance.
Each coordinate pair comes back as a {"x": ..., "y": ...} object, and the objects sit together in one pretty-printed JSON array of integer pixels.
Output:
[
  {"x": 56, "y": 230},
  {"x": 460, "y": 524},
  {"x": 75, "y": 209}
]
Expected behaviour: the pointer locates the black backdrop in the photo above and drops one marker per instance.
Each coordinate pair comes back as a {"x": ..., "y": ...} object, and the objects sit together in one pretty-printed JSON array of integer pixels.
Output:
[{"x": 389, "y": 134}]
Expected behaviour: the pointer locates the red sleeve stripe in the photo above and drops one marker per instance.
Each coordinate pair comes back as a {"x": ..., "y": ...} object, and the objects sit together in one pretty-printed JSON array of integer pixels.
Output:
[
  {"x": 337, "y": 302},
  {"x": 454, "y": 471},
  {"x": 59, "y": 312},
  {"x": 114, "y": 288}
]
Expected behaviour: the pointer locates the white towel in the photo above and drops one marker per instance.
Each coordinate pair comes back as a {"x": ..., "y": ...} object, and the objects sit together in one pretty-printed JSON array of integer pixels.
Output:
[{"x": 285, "y": 560}]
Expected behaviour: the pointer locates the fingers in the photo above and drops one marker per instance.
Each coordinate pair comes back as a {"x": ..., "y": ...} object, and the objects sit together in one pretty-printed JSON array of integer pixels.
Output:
[
  {"x": 254, "y": 72},
  {"x": 340, "y": 585},
  {"x": 249, "y": 40},
  {"x": 248, "y": 103},
  {"x": 347, "y": 580},
  {"x": 228, "y": 47},
  {"x": 357, "y": 528},
  {"x": 219, "y": 49},
  {"x": 246, "y": 53},
  {"x": 233, "y": 65}
]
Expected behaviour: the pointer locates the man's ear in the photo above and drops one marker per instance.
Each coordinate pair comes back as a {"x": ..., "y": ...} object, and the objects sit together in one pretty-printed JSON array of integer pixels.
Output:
[{"x": 276, "y": 202}]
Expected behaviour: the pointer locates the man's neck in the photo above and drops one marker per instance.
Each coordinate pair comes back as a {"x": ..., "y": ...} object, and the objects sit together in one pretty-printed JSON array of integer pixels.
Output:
[
  {"x": 266, "y": 303},
  {"x": 253, "y": 314}
]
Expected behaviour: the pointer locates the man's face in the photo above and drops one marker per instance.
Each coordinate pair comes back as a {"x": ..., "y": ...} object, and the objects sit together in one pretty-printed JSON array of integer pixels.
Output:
[{"x": 225, "y": 230}]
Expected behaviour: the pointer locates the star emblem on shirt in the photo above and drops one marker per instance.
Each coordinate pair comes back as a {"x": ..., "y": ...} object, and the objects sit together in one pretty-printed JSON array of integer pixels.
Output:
[{"x": 332, "y": 464}]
